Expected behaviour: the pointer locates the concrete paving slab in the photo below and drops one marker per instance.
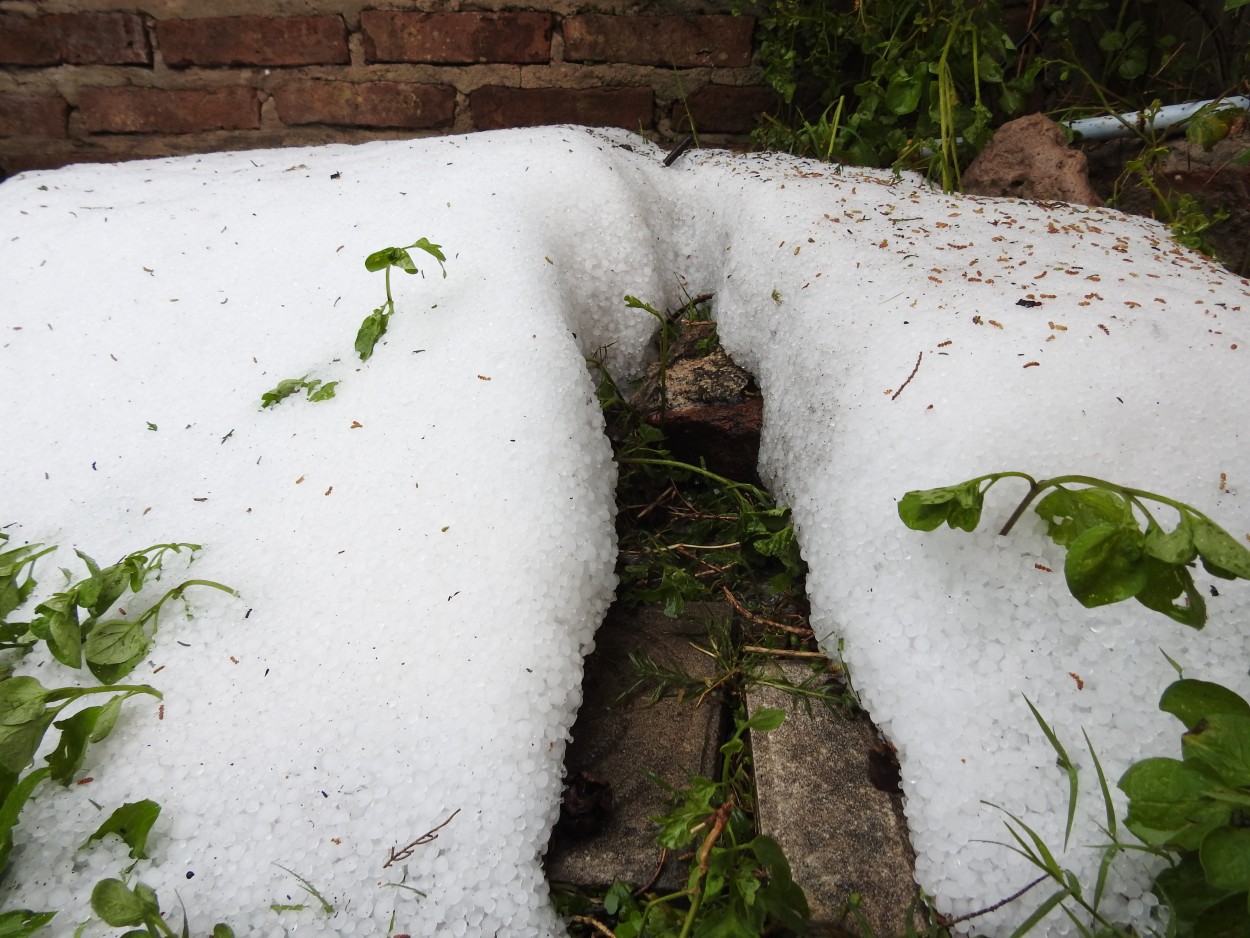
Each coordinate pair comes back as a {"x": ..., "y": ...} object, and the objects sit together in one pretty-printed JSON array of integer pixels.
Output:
[
  {"x": 822, "y": 792},
  {"x": 616, "y": 744}
]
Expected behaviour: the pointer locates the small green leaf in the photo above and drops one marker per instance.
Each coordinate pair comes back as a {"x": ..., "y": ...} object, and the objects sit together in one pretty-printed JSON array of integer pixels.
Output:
[
  {"x": 118, "y": 905},
  {"x": 131, "y": 822},
  {"x": 76, "y": 733},
  {"x": 1172, "y": 802},
  {"x": 1176, "y": 546},
  {"x": 1190, "y": 701},
  {"x": 371, "y": 330},
  {"x": 284, "y": 390},
  {"x": 323, "y": 393},
  {"x": 1069, "y": 513},
  {"x": 21, "y": 923},
  {"x": 1105, "y": 564},
  {"x": 1185, "y": 889},
  {"x": 11, "y": 809},
  {"x": 766, "y": 719},
  {"x": 434, "y": 250},
  {"x": 1164, "y": 583},
  {"x": 902, "y": 95},
  {"x": 116, "y": 641},
  {"x": 1221, "y": 554},
  {"x": 958, "y": 506},
  {"x": 1220, "y": 744},
  {"x": 1225, "y": 857},
  {"x": 24, "y": 718}
]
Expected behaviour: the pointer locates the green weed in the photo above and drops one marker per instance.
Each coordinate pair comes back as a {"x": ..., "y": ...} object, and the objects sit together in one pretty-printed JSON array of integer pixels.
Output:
[{"x": 1110, "y": 558}]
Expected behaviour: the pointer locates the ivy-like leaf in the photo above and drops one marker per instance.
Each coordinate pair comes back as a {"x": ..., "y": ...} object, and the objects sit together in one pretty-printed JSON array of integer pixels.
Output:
[
  {"x": 116, "y": 641},
  {"x": 11, "y": 807},
  {"x": 371, "y": 330},
  {"x": 957, "y": 505},
  {"x": 131, "y": 822},
  {"x": 24, "y": 718},
  {"x": 76, "y": 732},
  {"x": 1225, "y": 857},
  {"x": 1221, "y": 554},
  {"x": 1105, "y": 564},
  {"x": 1220, "y": 744},
  {"x": 119, "y": 905},
  {"x": 22, "y": 923},
  {"x": 1174, "y": 803},
  {"x": 323, "y": 393},
  {"x": 284, "y": 390},
  {"x": 1190, "y": 700},
  {"x": 434, "y": 250},
  {"x": 1175, "y": 546},
  {"x": 1164, "y": 584},
  {"x": 1069, "y": 513}
]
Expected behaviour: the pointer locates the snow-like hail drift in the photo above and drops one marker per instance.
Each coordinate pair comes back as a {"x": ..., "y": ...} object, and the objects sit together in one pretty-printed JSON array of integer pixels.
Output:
[{"x": 423, "y": 560}]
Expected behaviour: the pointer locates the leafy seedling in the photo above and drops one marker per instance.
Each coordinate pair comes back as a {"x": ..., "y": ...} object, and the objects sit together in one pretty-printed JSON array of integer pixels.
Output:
[
  {"x": 1109, "y": 556},
  {"x": 375, "y": 324},
  {"x": 316, "y": 390},
  {"x": 132, "y": 822},
  {"x": 1194, "y": 809},
  {"x": 123, "y": 906},
  {"x": 27, "y": 709},
  {"x": 17, "y": 580},
  {"x": 22, "y": 923},
  {"x": 110, "y": 647}
]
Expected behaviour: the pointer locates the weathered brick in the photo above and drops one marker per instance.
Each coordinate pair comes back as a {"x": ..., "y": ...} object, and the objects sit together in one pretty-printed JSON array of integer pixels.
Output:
[
  {"x": 253, "y": 40},
  {"x": 74, "y": 39},
  {"x": 494, "y": 107},
  {"x": 25, "y": 115},
  {"x": 456, "y": 38},
  {"x": 366, "y": 104},
  {"x": 673, "y": 41},
  {"x": 155, "y": 111},
  {"x": 725, "y": 109}
]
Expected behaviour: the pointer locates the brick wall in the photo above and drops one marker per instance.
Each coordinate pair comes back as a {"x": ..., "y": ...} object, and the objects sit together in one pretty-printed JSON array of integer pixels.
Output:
[{"x": 98, "y": 80}]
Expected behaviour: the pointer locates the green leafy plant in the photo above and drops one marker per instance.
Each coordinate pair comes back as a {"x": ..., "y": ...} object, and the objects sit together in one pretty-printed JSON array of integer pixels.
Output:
[
  {"x": 110, "y": 647},
  {"x": 316, "y": 390},
  {"x": 1109, "y": 556},
  {"x": 739, "y": 883},
  {"x": 374, "y": 325},
  {"x": 122, "y": 906},
  {"x": 1195, "y": 810}
]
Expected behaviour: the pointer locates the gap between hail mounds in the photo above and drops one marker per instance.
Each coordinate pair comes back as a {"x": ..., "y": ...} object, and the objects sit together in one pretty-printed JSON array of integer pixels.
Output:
[{"x": 706, "y": 693}]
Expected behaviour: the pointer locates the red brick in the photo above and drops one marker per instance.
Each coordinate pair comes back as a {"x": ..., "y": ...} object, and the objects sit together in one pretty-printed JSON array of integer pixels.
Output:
[
  {"x": 254, "y": 40},
  {"x": 372, "y": 104},
  {"x": 23, "y": 115},
  {"x": 456, "y": 38},
  {"x": 673, "y": 41},
  {"x": 74, "y": 39},
  {"x": 494, "y": 107},
  {"x": 725, "y": 109},
  {"x": 155, "y": 111}
]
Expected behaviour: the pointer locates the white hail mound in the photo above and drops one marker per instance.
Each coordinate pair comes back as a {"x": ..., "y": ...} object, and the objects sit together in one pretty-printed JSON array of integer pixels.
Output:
[{"x": 422, "y": 561}]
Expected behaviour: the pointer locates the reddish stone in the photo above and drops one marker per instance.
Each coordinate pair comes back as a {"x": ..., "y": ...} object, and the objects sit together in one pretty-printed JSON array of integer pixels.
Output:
[
  {"x": 366, "y": 104},
  {"x": 155, "y": 111},
  {"x": 726, "y": 109},
  {"x": 254, "y": 40},
  {"x": 456, "y": 38},
  {"x": 673, "y": 41},
  {"x": 23, "y": 115},
  {"x": 494, "y": 107},
  {"x": 74, "y": 39}
]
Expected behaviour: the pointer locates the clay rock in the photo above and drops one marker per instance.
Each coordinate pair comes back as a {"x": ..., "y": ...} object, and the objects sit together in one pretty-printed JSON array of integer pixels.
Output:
[
  {"x": 1029, "y": 158},
  {"x": 710, "y": 410}
]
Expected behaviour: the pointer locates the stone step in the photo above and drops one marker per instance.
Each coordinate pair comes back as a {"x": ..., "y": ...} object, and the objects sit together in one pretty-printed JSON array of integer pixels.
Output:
[
  {"x": 826, "y": 789},
  {"x": 822, "y": 781}
]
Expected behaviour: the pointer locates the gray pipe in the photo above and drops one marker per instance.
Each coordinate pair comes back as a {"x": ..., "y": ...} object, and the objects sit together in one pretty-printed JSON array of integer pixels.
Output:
[{"x": 1124, "y": 125}]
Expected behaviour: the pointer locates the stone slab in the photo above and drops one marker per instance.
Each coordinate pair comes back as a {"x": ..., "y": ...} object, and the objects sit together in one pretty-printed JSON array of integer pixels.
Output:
[
  {"x": 822, "y": 792},
  {"x": 620, "y": 743}
]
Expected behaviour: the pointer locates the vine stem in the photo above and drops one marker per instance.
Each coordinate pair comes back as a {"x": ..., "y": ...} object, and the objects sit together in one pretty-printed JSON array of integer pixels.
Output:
[{"x": 1133, "y": 495}]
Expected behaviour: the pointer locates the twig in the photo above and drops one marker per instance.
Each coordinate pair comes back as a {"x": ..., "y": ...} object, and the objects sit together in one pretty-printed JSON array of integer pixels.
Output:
[
  {"x": 655, "y": 877},
  {"x": 403, "y": 853},
  {"x": 742, "y": 611},
  {"x": 894, "y": 397},
  {"x": 947, "y": 922},
  {"x": 593, "y": 923},
  {"x": 670, "y": 490},
  {"x": 783, "y": 652}
]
